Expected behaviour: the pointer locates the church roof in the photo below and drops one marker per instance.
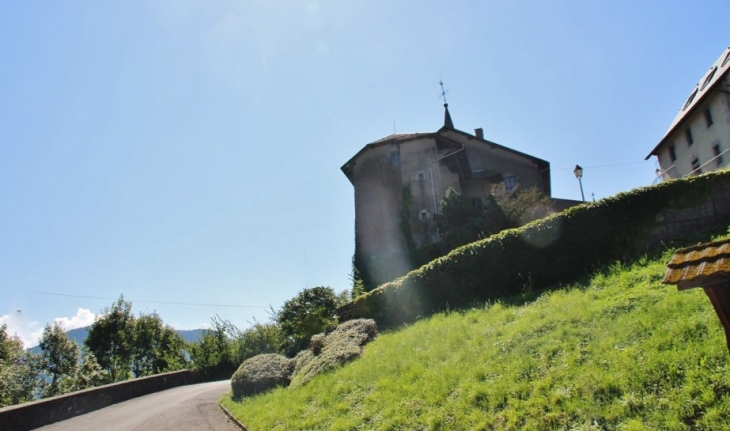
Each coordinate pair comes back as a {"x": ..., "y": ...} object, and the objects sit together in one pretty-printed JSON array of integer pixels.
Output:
[
  {"x": 447, "y": 117},
  {"x": 440, "y": 136},
  {"x": 397, "y": 137},
  {"x": 710, "y": 81}
]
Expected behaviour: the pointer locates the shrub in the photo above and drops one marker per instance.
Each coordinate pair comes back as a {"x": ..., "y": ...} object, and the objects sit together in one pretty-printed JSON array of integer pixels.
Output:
[
  {"x": 330, "y": 351},
  {"x": 261, "y": 373}
]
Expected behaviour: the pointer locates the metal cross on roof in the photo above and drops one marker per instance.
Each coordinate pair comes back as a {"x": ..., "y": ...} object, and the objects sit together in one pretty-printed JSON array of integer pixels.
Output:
[{"x": 443, "y": 92}]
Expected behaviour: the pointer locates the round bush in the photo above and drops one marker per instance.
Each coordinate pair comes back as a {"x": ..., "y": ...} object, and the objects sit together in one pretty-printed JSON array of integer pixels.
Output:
[{"x": 261, "y": 373}]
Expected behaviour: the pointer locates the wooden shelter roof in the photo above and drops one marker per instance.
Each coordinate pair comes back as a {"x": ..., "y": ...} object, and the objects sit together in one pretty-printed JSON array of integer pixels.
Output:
[{"x": 701, "y": 265}]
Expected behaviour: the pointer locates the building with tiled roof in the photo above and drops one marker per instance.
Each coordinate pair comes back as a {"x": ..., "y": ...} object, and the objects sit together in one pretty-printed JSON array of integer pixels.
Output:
[
  {"x": 422, "y": 167},
  {"x": 699, "y": 136}
]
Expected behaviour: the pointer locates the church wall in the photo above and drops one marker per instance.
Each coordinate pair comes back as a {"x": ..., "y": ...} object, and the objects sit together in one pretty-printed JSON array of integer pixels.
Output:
[
  {"x": 384, "y": 170},
  {"x": 378, "y": 184},
  {"x": 417, "y": 159},
  {"x": 484, "y": 158}
]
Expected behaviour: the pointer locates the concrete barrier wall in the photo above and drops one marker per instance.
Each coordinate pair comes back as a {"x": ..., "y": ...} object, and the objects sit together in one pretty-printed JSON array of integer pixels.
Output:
[{"x": 36, "y": 414}]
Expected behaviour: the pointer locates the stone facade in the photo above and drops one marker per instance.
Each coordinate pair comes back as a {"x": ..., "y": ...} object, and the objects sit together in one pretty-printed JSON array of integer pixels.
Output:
[{"x": 400, "y": 180}]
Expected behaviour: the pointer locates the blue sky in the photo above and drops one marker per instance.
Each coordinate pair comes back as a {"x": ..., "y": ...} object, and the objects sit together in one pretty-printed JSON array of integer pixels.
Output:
[{"x": 188, "y": 152}]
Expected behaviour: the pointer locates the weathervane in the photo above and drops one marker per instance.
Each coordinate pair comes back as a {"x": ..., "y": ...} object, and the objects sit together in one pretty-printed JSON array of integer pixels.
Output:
[{"x": 443, "y": 92}]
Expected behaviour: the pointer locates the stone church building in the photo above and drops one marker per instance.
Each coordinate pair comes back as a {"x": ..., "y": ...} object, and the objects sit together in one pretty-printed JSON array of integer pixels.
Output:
[{"x": 400, "y": 180}]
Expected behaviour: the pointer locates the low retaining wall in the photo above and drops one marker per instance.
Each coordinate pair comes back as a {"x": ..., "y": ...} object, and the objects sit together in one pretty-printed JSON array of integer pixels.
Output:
[{"x": 36, "y": 414}]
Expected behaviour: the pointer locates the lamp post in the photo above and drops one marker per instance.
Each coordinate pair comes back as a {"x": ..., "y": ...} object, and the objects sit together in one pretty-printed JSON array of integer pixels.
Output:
[{"x": 578, "y": 171}]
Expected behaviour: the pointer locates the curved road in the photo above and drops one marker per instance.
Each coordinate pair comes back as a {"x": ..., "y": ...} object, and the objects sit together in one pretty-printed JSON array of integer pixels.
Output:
[{"x": 192, "y": 407}]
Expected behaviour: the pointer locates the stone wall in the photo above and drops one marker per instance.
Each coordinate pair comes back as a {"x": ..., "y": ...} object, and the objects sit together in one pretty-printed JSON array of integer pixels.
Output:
[
  {"x": 704, "y": 215},
  {"x": 36, "y": 414}
]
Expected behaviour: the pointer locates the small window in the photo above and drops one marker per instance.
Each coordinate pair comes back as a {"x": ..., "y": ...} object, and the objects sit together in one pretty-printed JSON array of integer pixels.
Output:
[
  {"x": 727, "y": 58},
  {"x": 421, "y": 176},
  {"x": 672, "y": 153},
  {"x": 708, "y": 117},
  {"x": 709, "y": 78},
  {"x": 510, "y": 182},
  {"x": 690, "y": 99},
  {"x": 423, "y": 216},
  {"x": 696, "y": 166},
  {"x": 395, "y": 158},
  {"x": 716, "y": 150},
  {"x": 688, "y": 135}
]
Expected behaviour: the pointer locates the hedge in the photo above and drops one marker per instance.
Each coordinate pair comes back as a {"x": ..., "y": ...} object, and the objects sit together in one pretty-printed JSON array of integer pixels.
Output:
[{"x": 552, "y": 250}]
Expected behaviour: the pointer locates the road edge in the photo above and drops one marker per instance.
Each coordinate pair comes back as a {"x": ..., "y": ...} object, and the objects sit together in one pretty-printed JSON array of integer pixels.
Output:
[{"x": 232, "y": 418}]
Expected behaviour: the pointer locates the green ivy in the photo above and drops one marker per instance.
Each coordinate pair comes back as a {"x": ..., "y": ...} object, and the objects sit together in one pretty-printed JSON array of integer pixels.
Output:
[
  {"x": 548, "y": 251},
  {"x": 405, "y": 217}
]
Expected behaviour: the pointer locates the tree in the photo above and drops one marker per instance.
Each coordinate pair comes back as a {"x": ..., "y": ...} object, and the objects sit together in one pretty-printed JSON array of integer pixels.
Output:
[
  {"x": 212, "y": 355},
  {"x": 127, "y": 346},
  {"x": 156, "y": 347},
  {"x": 89, "y": 373},
  {"x": 259, "y": 339},
  {"x": 463, "y": 220},
  {"x": 110, "y": 339},
  {"x": 59, "y": 359},
  {"x": 311, "y": 312},
  {"x": 8, "y": 345},
  {"x": 358, "y": 284},
  {"x": 20, "y": 371},
  {"x": 522, "y": 206}
]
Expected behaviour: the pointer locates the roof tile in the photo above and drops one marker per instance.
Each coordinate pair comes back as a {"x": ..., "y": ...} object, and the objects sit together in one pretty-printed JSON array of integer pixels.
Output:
[{"x": 699, "y": 265}]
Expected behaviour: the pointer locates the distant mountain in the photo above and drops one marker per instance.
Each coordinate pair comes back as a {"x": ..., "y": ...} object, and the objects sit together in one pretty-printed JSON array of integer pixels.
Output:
[
  {"x": 190, "y": 335},
  {"x": 79, "y": 335}
]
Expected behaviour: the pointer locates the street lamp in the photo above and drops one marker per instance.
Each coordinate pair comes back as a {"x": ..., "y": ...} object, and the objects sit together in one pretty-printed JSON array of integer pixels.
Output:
[{"x": 578, "y": 171}]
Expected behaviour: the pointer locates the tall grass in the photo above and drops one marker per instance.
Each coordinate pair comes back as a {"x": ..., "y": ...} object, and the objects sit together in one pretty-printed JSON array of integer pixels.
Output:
[{"x": 621, "y": 351}]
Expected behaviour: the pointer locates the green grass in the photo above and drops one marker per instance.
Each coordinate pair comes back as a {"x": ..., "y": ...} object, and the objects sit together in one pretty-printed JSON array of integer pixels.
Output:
[{"x": 621, "y": 351}]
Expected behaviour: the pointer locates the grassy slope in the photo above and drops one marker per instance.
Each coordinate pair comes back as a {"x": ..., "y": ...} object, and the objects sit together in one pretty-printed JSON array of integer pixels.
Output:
[{"x": 621, "y": 351}]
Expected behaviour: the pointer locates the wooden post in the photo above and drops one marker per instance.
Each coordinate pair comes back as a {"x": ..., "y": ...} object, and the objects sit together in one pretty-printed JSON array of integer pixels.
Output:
[
  {"x": 706, "y": 266},
  {"x": 720, "y": 298}
]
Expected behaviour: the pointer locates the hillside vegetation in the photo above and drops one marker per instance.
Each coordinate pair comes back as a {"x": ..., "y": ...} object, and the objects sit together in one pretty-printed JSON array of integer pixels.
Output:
[
  {"x": 553, "y": 250},
  {"x": 619, "y": 351}
]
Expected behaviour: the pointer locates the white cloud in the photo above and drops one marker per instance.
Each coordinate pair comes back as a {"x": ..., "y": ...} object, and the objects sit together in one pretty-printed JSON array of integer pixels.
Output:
[
  {"x": 83, "y": 317},
  {"x": 30, "y": 331},
  {"x": 19, "y": 326}
]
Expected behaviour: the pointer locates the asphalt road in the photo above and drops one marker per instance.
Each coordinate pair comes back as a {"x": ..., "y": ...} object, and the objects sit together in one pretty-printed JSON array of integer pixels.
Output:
[{"x": 192, "y": 407}]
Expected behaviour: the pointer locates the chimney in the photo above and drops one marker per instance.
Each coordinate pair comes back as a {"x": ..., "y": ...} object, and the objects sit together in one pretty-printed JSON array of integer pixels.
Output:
[{"x": 479, "y": 133}]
